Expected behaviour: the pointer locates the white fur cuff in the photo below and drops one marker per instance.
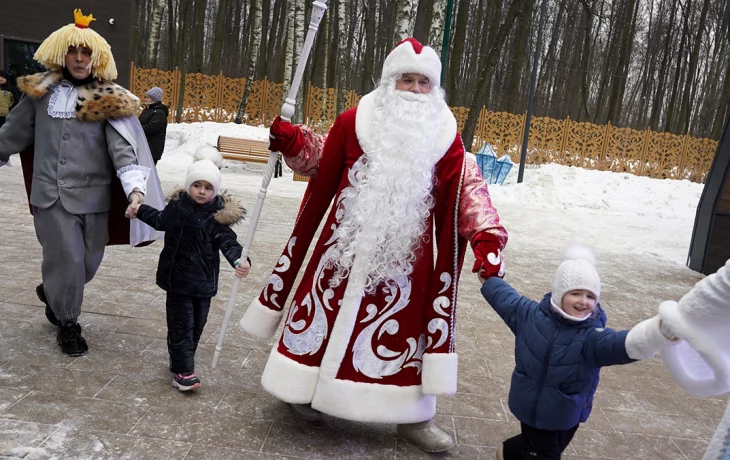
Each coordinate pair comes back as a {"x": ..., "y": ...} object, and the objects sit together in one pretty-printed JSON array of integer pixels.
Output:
[
  {"x": 701, "y": 362},
  {"x": 261, "y": 321},
  {"x": 134, "y": 176},
  {"x": 439, "y": 373},
  {"x": 645, "y": 339}
]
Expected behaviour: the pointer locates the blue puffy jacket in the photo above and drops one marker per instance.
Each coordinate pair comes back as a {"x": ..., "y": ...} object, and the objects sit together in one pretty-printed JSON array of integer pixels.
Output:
[{"x": 557, "y": 361}]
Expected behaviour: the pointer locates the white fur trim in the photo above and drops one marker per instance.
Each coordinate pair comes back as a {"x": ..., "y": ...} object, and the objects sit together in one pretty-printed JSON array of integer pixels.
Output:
[
  {"x": 364, "y": 120},
  {"x": 699, "y": 365},
  {"x": 261, "y": 321},
  {"x": 373, "y": 403},
  {"x": 289, "y": 380},
  {"x": 645, "y": 339},
  {"x": 404, "y": 59},
  {"x": 134, "y": 176},
  {"x": 439, "y": 373}
]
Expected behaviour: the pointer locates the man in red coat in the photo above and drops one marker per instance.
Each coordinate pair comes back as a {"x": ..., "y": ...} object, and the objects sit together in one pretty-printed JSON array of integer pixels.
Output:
[{"x": 369, "y": 335}]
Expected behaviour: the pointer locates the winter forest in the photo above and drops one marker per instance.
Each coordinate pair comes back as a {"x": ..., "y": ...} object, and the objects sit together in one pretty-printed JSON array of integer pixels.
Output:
[{"x": 663, "y": 64}]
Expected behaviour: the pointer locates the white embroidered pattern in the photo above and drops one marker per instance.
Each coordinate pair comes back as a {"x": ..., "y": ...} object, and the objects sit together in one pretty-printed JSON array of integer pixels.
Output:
[
  {"x": 299, "y": 337},
  {"x": 383, "y": 361},
  {"x": 145, "y": 170},
  {"x": 275, "y": 282}
]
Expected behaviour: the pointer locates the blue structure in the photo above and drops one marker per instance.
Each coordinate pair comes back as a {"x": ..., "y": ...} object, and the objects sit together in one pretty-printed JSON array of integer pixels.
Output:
[{"x": 493, "y": 170}]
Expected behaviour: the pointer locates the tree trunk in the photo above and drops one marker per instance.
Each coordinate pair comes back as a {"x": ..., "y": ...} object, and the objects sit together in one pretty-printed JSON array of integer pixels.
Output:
[
  {"x": 423, "y": 21},
  {"x": 684, "y": 115},
  {"x": 289, "y": 60},
  {"x": 436, "y": 31},
  {"x": 155, "y": 28},
  {"x": 457, "y": 54},
  {"x": 669, "y": 122},
  {"x": 520, "y": 47},
  {"x": 516, "y": 8},
  {"x": 196, "y": 63},
  {"x": 403, "y": 29},
  {"x": 216, "y": 55}
]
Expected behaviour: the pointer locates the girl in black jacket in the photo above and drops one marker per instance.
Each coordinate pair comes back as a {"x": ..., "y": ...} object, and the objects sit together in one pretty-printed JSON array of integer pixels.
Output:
[{"x": 197, "y": 224}]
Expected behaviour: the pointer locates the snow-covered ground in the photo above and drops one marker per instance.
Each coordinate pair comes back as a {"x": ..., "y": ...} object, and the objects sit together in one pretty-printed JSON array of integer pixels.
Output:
[{"x": 612, "y": 212}]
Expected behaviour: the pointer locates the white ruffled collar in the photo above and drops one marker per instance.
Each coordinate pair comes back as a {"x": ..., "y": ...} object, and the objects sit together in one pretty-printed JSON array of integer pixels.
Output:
[{"x": 63, "y": 100}]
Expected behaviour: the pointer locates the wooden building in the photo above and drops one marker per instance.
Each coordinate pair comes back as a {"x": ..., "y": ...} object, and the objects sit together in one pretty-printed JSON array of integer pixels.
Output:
[
  {"x": 25, "y": 23},
  {"x": 710, "y": 246}
]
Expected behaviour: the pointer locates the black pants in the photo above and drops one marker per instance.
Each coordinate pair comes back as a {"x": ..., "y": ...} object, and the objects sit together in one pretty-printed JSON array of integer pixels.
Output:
[
  {"x": 534, "y": 444},
  {"x": 186, "y": 318},
  {"x": 278, "y": 169}
]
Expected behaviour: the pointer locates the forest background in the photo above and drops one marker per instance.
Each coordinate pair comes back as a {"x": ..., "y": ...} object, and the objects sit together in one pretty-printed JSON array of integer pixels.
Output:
[{"x": 659, "y": 64}]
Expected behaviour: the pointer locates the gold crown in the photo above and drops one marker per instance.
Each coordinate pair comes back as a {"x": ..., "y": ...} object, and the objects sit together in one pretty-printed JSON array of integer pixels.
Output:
[{"x": 81, "y": 20}]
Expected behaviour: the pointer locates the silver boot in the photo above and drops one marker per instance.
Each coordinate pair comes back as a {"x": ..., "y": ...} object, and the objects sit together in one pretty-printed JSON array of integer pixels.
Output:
[
  {"x": 426, "y": 436},
  {"x": 306, "y": 413}
]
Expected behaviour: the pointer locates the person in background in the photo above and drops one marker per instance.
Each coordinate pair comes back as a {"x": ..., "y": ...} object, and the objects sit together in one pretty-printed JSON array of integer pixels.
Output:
[
  {"x": 154, "y": 122},
  {"x": 9, "y": 96}
]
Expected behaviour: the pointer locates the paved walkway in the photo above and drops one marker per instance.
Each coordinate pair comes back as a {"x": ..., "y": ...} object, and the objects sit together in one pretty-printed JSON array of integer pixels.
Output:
[{"x": 117, "y": 401}]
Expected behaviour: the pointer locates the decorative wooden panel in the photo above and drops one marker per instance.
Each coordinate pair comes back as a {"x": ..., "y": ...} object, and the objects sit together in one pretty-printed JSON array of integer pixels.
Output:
[{"x": 567, "y": 142}]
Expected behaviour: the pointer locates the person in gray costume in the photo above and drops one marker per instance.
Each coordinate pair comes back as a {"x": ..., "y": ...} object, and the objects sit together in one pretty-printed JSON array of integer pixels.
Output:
[{"x": 79, "y": 130}]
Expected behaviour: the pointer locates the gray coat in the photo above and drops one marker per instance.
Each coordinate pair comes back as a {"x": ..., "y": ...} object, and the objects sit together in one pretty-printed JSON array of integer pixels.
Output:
[{"x": 75, "y": 158}]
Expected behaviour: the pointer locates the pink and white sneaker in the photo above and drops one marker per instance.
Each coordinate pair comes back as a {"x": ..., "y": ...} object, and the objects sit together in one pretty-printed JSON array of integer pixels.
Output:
[{"x": 186, "y": 382}]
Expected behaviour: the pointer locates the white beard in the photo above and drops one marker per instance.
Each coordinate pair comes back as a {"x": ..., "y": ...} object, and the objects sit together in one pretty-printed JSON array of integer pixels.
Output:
[{"x": 385, "y": 208}]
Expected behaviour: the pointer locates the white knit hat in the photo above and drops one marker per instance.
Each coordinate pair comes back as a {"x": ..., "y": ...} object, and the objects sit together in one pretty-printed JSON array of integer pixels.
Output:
[
  {"x": 410, "y": 56},
  {"x": 206, "y": 167},
  {"x": 577, "y": 271}
]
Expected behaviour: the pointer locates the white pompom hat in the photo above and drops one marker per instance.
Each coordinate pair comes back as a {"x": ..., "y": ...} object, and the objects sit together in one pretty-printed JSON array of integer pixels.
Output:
[
  {"x": 206, "y": 167},
  {"x": 577, "y": 271},
  {"x": 410, "y": 56}
]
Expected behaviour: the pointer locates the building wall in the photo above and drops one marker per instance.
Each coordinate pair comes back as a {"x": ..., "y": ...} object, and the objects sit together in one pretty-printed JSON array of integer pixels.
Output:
[{"x": 34, "y": 20}]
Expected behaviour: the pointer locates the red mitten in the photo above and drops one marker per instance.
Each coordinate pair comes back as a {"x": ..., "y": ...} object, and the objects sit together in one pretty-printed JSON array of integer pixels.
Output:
[
  {"x": 489, "y": 261},
  {"x": 286, "y": 138}
]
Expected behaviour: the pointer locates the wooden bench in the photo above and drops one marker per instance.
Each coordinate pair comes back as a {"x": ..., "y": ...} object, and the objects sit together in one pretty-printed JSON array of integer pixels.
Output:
[{"x": 249, "y": 150}]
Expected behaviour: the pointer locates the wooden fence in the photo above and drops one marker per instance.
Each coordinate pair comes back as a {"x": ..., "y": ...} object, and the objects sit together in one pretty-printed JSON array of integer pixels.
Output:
[{"x": 200, "y": 97}]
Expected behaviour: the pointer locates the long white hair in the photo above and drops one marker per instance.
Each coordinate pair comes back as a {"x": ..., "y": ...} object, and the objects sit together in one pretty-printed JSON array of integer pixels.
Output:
[{"x": 385, "y": 208}]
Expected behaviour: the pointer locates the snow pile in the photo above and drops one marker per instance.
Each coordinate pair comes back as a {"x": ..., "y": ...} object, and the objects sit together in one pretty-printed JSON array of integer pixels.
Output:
[
  {"x": 184, "y": 139},
  {"x": 569, "y": 188}
]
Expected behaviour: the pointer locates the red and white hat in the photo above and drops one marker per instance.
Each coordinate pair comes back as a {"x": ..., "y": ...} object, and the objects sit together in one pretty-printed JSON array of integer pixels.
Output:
[{"x": 410, "y": 56}]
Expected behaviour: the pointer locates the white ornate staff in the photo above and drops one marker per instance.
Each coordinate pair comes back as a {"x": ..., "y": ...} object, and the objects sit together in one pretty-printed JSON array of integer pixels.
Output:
[{"x": 287, "y": 112}]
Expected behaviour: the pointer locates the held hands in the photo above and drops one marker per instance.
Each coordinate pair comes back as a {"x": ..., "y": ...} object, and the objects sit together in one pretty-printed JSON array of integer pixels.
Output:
[
  {"x": 136, "y": 198},
  {"x": 489, "y": 261},
  {"x": 242, "y": 269},
  {"x": 285, "y": 138}
]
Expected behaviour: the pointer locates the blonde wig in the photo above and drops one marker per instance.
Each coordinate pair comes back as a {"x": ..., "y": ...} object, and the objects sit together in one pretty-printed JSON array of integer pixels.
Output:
[{"x": 52, "y": 52}]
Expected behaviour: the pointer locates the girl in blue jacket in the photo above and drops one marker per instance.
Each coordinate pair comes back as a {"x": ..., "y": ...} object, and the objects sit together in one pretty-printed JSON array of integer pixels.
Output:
[{"x": 560, "y": 345}]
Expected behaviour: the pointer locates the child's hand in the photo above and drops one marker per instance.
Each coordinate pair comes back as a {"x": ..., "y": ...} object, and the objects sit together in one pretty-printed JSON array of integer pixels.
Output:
[
  {"x": 482, "y": 276},
  {"x": 131, "y": 212},
  {"x": 242, "y": 269},
  {"x": 667, "y": 333}
]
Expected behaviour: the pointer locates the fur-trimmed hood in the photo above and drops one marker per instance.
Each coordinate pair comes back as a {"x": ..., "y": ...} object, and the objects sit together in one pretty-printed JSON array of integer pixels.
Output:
[
  {"x": 230, "y": 213},
  {"x": 97, "y": 101}
]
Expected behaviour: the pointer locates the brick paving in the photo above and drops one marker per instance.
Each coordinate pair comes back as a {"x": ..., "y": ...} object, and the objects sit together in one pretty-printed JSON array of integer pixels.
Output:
[{"x": 117, "y": 401}]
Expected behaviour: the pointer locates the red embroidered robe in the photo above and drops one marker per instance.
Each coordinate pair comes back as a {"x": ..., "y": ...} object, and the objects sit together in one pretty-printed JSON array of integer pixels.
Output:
[{"x": 380, "y": 357}]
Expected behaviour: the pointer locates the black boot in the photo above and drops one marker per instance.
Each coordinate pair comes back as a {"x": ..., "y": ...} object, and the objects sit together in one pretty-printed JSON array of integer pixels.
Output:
[
  {"x": 49, "y": 313},
  {"x": 70, "y": 340}
]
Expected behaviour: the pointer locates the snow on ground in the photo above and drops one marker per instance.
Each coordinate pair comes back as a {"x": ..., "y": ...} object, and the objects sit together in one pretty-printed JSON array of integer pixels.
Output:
[{"x": 612, "y": 212}]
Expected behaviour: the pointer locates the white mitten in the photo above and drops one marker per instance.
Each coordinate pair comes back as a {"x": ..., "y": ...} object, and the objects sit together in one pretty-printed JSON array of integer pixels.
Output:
[
  {"x": 645, "y": 339},
  {"x": 701, "y": 364}
]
